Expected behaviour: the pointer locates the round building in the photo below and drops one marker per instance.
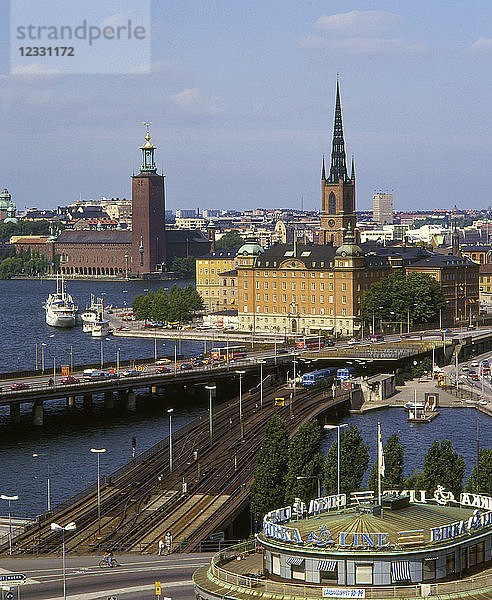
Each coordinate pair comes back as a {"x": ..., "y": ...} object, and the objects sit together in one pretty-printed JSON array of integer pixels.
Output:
[{"x": 352, "y": 547}]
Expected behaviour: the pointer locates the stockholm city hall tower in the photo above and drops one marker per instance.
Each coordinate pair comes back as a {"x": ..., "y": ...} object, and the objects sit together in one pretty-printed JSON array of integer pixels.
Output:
[
  {"x": 337, "y": 189},
  {"x": 148, "y": 214}
]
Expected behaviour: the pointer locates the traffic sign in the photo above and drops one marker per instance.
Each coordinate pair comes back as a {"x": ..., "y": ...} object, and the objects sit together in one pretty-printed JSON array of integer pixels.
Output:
[
  {"x": 112, "y": 597},
  {"x": 13, "y": 577},
  {"x": 8, "y": 596},
  {"x": 158, "y": 590}
]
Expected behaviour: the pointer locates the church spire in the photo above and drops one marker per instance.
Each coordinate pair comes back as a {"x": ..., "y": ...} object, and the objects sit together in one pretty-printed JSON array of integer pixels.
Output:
[
  {"x": 323, "y": 170},
  {"x": 352, "y": 174},
  {"x": 338, "y": 169}
]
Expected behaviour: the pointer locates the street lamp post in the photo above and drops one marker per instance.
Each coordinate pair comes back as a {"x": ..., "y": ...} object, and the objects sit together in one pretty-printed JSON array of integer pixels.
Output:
[
  {"x": 337, "y": 427},
  {"x": 42, "y": 357},
  {"x": 170, "y": 413},
  {"x": 241, "y": 424},
  {"x": 261, "y": 362},
  {"x": 69, "y": 527},
  {"x": 9, "y": 500},
  {"x": 98, "y": 452},
  {"x": 210, "y": 389},
  {"x": 299, "y": 477},
  {"x": 44, "y": 455},
  {"x": 118, "y": 362}
]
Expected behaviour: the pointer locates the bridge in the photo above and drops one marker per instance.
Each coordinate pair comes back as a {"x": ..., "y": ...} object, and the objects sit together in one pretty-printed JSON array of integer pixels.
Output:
[{"x": 191, "y": 491}]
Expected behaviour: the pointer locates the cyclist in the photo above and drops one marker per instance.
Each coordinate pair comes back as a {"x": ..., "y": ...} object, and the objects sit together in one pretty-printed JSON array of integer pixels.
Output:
[{"x": 108, "y": 557}]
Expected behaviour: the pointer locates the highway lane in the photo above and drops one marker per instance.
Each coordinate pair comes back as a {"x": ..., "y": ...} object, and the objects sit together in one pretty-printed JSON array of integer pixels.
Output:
[{"x": 133, "y": 580}]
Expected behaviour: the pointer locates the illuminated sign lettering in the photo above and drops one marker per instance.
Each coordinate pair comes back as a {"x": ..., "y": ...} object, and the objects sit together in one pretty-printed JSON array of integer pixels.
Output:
[
  {"x": 475, "y": 522},
  {"x": 476, "y": 501}
]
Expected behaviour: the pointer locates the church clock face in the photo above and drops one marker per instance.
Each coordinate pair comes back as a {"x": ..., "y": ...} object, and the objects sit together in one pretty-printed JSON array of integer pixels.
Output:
[{"x": 331, "y": 223}]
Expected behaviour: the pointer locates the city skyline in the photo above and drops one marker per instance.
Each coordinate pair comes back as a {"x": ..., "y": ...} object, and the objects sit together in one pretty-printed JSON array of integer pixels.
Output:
[{"x": 241, "y": 100}]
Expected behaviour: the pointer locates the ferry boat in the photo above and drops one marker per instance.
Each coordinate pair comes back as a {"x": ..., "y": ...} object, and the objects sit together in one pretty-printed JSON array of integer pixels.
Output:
[{"x": 60, "y": 308}]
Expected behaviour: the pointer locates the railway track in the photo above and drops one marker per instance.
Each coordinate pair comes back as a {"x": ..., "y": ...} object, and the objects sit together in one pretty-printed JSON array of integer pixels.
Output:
[{"x": 137, "y": 509}]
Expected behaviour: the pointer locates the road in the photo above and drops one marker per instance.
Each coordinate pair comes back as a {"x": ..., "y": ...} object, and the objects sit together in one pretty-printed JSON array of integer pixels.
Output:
[{"x": 133, "y": 580}]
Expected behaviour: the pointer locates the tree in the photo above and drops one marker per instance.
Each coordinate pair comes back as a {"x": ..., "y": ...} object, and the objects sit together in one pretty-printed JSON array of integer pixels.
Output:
[
  {"x": 398, "y": 296},
  {"x": 160, "y": 306},
  {"x": 484, "y": 474},
  {"x": 304, "y": 459},
  {"x": 143, "y": 312},
  {"x": 229, "y": 241},
  {"x": 354, "y": 460},
  {"x": 184, "y": 266},
  {"x": 192, "y": 298},
  {"x": 443, "y": 466},
  {"x": 393, "y": 466},
  {"x": 268, "y": 490}
]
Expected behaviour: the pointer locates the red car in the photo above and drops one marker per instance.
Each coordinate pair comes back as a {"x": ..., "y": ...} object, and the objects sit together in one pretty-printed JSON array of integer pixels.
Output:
[
  {"x": 163, "y": 370},
  {"x": 19, "y": 386},
  {"x": 70, "y": 379}
]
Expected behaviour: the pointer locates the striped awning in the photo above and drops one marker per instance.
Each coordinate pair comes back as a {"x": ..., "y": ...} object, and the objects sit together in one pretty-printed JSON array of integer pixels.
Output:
[
  {"x": 294, "y": 560},
  {"x": 327, "y": 565},
  {"x": 400, "y": 571}
]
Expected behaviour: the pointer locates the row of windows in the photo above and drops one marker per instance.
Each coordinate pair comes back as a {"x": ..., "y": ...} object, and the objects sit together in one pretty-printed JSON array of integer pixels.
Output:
[
  {"x": 369, "y": 274},
  {"x": 294, "y": 298},
  {"x": 99, "y": 259},
  {"x": 293, "y": 286},
  {"x": 314, "y": 311}
]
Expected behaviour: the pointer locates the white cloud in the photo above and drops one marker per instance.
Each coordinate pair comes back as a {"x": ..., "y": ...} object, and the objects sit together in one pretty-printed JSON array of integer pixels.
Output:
[
  {"x": 482, "y": 45},
  {"x": 360, "y": 33},
  {"x": 192, "y": 101},
  {"x": 358, "y": 22}
]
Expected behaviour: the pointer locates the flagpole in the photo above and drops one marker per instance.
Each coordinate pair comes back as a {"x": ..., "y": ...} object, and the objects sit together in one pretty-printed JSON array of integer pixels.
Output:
[{"x": 379, "y": 463}]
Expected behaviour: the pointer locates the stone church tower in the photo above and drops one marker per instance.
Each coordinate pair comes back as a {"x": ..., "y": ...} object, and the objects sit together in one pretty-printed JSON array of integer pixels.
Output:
[
  {"x": 337, "y": 189},
  {"x": 148, "y": 218}
]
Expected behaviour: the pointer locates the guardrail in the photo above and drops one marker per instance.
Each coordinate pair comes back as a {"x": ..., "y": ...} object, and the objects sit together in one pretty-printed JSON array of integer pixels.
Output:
[{"x": 222, "y": 575}]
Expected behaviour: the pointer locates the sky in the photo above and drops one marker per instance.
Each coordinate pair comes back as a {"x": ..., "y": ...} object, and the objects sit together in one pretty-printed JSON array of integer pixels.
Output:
[{"x": 241, "y": 99}]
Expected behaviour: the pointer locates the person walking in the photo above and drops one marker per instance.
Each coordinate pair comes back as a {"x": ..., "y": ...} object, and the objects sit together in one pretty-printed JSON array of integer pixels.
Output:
[{"x": 161, "y": 547}]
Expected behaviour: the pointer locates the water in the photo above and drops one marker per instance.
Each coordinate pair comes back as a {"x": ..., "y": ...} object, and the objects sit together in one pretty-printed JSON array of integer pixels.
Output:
[
  {"x": 22, "y": 325},
  {"x": 67, "y": 439}
]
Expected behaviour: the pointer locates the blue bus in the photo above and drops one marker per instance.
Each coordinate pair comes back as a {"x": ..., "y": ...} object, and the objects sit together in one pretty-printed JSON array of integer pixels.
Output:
[
  {"x": 315, "y": 376},
  {"x": 346, "y": 373}
]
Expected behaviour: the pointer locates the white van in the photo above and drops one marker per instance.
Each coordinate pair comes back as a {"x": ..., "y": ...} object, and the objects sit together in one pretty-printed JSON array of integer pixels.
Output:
[{"x": 93, "y": 374}]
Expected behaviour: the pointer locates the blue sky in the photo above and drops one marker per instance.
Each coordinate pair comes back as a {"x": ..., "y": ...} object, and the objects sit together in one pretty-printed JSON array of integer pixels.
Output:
[{"x": 241, "y": 97}]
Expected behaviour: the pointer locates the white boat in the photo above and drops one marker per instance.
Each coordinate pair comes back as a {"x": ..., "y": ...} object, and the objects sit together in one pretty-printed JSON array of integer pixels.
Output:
[
  {"x": 93, "y": 321},
  {"x": 414, "y": 405},
  {"x": 60, "y": 308}
]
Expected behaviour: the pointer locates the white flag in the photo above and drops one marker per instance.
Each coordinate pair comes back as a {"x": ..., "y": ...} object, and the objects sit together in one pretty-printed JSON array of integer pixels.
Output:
[{"x": 380, "y": 453}]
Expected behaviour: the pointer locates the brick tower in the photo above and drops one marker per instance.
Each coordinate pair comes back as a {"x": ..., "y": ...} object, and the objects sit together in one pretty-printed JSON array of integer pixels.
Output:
[
  {"x": 148, "y": 222},
  {"x": 338, "y": 189}
]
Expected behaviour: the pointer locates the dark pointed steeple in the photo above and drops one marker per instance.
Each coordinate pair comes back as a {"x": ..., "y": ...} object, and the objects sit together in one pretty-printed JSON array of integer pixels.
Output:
[
  {"x": 323, "y": 170},
  {"x": 338, "y": 169},
  {"x": 352, "y": 175}
]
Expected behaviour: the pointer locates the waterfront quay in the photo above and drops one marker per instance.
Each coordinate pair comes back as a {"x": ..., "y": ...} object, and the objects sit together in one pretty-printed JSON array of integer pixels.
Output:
[{"x": 192, "y": 484}]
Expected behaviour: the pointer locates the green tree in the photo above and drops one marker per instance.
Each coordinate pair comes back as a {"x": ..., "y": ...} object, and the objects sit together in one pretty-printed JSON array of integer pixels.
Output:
[
  {"x": 192, "y": 298},
  {"x": 229, "y": 241},
  {"x": 484, "y": 474},
  {"x": 143, "y": 311},
  {"x": 268, "y": 492},
  {"x": 354, "y": 460},
  {"x": 443, "y": 466},
  {"x": 416, "y": 481},
  {"x": 393, "y": 466},
  {"x": 160, "y": 306},
  {"x": 305, "y": 460},
  {"x": 398, "y": 296},
  {"x": 184, "y": 266}
]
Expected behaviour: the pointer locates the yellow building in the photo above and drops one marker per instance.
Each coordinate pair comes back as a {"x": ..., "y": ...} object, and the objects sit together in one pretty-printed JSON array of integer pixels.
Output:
[{"x": 216, "y": 279}]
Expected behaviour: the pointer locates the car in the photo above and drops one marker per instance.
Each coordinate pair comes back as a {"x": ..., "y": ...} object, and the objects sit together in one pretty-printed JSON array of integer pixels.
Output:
[
  {"x": 163, "y": 361},
  {"x": 446, "y": 330},
  {"x": 109, "y": 312},
  {"x": 283, "y": 351},
  {"x": 186, "y": 366},
  {"x": 68, "y": 380},
  {"x": 485, "y": 363},
  {"x": 474, "y": 364},
  {"x": 465, "y": 368},
  {"x": 163, "y": 370},
  {"x": 474, "y": 377},
  {"x": 131, "y": 373},
  {"x": 19, "y": 386},
  {"x": 471, "y": 327}
]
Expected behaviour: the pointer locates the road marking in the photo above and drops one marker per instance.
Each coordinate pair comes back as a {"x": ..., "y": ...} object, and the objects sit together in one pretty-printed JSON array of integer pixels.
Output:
[
  {"x": 96, "y": 570},
  {"x": 121, "y": 591}
]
